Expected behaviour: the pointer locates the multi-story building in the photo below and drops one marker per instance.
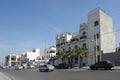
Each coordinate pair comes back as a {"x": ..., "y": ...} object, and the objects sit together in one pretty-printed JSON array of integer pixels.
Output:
[
  {"x": 12, "y": 60},
  {"x": 97, "y": 36},
  {"x": 101, "y": 37},
  {"x": 50, "y": 52}
]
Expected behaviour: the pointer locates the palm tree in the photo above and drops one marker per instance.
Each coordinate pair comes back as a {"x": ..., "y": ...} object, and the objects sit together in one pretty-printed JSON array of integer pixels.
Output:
[
  {"x": 71, "y": 54},
  {"x": 62, "y": 56},
  {"x": 81, "y": 52},
  {"x": 52, "y": 59}
]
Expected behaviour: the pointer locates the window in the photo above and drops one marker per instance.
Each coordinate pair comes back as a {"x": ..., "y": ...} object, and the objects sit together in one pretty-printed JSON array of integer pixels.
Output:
[
  {"x": 96, "y": 23},
  {"x": 13, "y": 58},
  {"x": 34, "y": 50},
  {"x": 76, "y": 46},
  {"x": 84, "y": 45},
  {"x": 84, "y": 33},
  {"x": 76, "y": 60},
  {"x": 63, "y": 50},
  {"x": 98, "y": 35},
  {"x": 98, "y": 48},
  {"x": 69, "y": 48},
  {"x": 52, "y": 51}
]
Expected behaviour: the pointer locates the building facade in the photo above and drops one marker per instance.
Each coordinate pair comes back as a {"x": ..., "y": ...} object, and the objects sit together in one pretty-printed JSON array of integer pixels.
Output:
[
  {"x": 97, "y": 35},
  {"x": 50, "y": 52},
  {"x": 12, "y": 60},
  {"x": 31, "y": 56},
  {"x": 101, "y": 37}
]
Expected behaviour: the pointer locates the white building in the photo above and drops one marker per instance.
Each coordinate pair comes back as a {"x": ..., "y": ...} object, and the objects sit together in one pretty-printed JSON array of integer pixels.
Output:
[
  {"x": 50, "y": 52},
  {"x": 32, "y": 55},
  {"x": 12, "y": 60},
  {"x": 97, "y": 36}
]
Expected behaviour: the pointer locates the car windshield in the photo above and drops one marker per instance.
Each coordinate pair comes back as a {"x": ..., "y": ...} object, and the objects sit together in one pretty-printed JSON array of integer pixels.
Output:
[
  {"x": 50, "y": 65},
  {"x": 44, "y": 66},
  {"x": 108, "y": 61}
]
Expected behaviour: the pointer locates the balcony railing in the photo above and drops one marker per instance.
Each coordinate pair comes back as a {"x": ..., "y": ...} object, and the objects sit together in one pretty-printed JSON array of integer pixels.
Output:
[
  {"x": 62, "y": 44},
  {"x": 83, "y": 37},
  {"x": 74, "y": 40},
  {"x": 57, "y": 45}
]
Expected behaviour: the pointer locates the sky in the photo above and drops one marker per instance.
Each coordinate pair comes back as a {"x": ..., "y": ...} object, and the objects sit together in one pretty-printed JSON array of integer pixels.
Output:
[{"x": 28, "y": 24}]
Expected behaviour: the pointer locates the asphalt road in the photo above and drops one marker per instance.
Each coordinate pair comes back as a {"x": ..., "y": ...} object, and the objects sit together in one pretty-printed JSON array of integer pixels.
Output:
[{"x": 34, "y": 74}]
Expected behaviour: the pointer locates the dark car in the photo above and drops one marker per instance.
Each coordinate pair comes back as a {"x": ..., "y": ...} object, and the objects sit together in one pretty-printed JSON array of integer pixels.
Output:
[
  {"x": 62, "y": 66},
  {"x": 107, "y": 65}
]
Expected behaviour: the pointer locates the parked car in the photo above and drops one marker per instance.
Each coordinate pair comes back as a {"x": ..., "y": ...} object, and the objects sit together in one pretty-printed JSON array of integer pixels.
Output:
[
  {"x": 31, "y": 67},
  {"x": 62, "y": 66},
  {"x": 18, "y": 67},
  {"x": 46, "y": 67},
  {"x": 102, "y": 65}
]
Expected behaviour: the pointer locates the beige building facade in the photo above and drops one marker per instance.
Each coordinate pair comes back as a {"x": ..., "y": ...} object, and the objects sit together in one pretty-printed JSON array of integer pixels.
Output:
[{"x": 12, "y": 60}]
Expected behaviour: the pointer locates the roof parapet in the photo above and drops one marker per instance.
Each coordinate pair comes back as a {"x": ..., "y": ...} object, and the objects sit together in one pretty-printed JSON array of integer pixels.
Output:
[{"x": 94, "y": 10}]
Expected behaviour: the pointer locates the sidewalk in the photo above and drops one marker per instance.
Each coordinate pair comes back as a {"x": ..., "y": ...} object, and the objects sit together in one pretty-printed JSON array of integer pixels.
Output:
[
  {"x": 3, "y": 77},
  {"x": 116, "y": 67},
  {"x": 87, "y": 68}
]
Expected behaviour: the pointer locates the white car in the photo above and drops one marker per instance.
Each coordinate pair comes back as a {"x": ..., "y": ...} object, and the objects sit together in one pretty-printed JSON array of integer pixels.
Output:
[
  {"x": 18, "y": 67},
  {"x": 46, "y": 67},
  {"x": 31, "y": 67}
]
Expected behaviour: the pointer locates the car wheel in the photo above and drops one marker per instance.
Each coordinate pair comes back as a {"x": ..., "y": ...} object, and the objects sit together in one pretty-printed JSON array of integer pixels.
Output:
[
  {"x": 109, "y": 68},
  {"x": 96, "y": 68},
  {"x": 92, "y": 68},
  {"x": 52, "y": 70},
  {"x": 40, "y": 70}
]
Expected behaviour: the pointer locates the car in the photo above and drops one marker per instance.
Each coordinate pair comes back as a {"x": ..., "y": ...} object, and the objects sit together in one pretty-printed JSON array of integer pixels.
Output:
[
  {"x": 18, "y": 67},
  {"x": 46, "y": 67},
  {"x": 31, "y": 67},
  {"x": 62, "y": 66},
  {"x": 107, "y": 65}
]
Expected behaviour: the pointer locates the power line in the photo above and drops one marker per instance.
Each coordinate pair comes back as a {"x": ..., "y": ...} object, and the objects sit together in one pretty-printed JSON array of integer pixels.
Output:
[{"x": 110, "y": 32}]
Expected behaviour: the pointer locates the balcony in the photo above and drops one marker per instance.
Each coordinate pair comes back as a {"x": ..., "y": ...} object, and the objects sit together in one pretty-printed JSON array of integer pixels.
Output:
[
  {"x": 83, "y": 26},
  {"x": 83, "y": 37},
  {"x": 57, "y": 37},
  {"x": 74, "y": 40},
  {"x": 57, "y": 45},
  {"x": 63, "y": 44}
]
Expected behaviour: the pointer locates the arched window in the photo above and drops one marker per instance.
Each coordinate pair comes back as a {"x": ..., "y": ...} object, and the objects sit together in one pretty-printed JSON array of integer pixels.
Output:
[
  {"x": 84, "y": 33},
  {"x": 96, "y": 23}
]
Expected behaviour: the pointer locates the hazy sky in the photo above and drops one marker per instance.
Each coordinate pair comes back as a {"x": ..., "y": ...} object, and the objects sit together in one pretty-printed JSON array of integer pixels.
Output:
[{"x": 27, "y": 24}]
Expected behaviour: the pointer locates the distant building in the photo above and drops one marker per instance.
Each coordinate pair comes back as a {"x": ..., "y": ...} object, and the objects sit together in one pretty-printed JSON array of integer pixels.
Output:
[
  {"x": 50, "y": 52},
  {"x": 30, "y": 56},
  {"x": 12, "y": 60}
]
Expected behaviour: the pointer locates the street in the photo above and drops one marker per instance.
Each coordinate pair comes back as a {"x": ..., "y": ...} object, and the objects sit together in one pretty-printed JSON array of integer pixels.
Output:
[{"x": 68, "y": 74}]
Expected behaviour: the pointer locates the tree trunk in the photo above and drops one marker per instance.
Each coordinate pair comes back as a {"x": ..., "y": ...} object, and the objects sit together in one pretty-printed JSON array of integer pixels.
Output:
[{"x": 81, "y": 62}]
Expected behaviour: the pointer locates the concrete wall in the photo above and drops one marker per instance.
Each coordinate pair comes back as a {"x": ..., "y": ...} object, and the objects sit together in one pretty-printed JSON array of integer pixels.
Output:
[{"x": 114, "y": 57}]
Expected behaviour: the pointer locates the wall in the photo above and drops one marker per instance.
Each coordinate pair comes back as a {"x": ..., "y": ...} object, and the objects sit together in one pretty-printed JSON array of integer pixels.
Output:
[{"x": 114, "y": 57}]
